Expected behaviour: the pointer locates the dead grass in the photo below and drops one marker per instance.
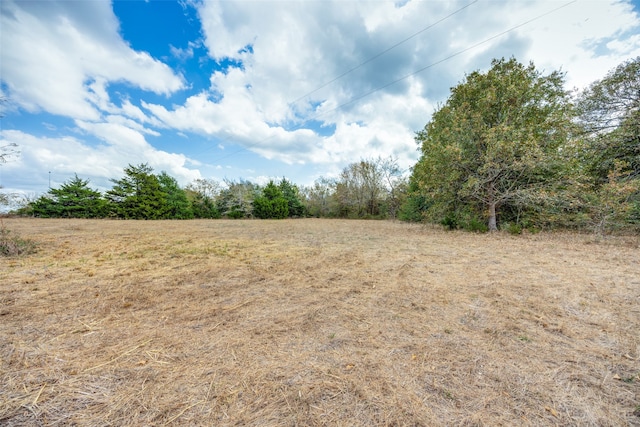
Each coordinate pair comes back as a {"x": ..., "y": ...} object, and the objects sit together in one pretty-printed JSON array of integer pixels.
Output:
[{"x": 316, "y": 322}]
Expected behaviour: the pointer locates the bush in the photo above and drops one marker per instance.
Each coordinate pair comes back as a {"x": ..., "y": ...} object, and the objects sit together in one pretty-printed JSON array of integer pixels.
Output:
[
  {"x": 413, "y": 208},
  {"x": 450, "y": 222},
  {"x": 14, "y": 245},
  {"x": 513, "y": 228},
  {"x": 476, "y": 225}
]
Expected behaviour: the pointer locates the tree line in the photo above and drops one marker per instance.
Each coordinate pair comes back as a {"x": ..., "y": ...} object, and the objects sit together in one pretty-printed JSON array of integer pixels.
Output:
[
  {"x": 510, "y": 149},
  {"x": 365, "y": 189}
]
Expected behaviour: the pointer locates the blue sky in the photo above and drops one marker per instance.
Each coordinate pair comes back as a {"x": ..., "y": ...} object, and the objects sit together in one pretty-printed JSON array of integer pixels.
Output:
[{"x": 263, "y": 89}]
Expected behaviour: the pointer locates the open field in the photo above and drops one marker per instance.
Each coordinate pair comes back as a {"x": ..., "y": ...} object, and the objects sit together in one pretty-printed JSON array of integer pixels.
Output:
[{"x": 316, "y": 322}]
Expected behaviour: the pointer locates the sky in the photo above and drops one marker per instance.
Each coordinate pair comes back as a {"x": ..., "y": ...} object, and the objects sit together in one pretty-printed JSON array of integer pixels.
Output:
[{"x": 263, "y": 89}]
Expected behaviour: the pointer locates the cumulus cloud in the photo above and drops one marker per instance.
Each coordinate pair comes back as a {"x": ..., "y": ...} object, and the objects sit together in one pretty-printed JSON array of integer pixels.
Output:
[
  {"x": 65, "y": 156},
  {"x": 60, "y": 56},
  {"x": 319, "y": 84}
]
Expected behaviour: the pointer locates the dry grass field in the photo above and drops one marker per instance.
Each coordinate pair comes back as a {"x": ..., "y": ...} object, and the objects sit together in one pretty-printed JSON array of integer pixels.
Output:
[{"x": 316, "y": 322}]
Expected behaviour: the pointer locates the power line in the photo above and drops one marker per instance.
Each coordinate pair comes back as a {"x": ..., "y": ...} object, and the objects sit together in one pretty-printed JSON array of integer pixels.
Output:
[
  {"x": 383, "y": 52},
  {"x": 364, "y": 95},
  {"x": 359, "y": 97},
  {"x": 422, "y": 30}
]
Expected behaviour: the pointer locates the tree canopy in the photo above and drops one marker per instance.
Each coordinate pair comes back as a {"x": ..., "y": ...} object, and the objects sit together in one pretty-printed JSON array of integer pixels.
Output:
[
  {"x": 609, "y": 111},
  {"x": 271, "y": 204},
  {"x": 74, "y": 199},
  {"x": 493, "y": 144},
  {"x": 138, "y": 195}
]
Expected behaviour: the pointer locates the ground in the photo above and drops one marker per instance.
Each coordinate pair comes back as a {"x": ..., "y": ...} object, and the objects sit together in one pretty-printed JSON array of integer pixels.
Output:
[{"x": 316, "y": 322}]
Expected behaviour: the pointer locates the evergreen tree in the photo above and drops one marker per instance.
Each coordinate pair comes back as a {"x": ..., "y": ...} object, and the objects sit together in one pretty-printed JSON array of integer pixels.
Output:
[
  {"x": 202, "y": 206},
  {"x": 138, "y": 195},
  {"x": 202, "y": 194},
  {"x": 236, "y": 200},
  {"x": 271, "y": 204},
  {"x": 178, "y": 206},
  {"x": 291, "y": 193},
  {"x": 74, "y": 199}
]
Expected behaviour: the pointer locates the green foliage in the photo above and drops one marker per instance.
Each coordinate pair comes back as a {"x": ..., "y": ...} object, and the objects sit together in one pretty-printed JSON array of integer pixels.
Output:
[
  {"x": 610, "y": 150},
  {"x": 138, "y": 195},
  {"x": 74, "y": 199},
  {"x": 359, "y": 190},
  {"x": 477, "y": 225},
  {"x": 178, "y": 206},
  {"x": 449, "y": 222},
  {"x": 612, "y": 208},
  {"x": 494, "y": 144},
  {"x": 202, "y": 206},
  {"x": 291, "y": 193},
  {"x": 371, "y": 188},
  {"x": 610, "y": 116},
  {"x": 414, "y": 205},
  {"x": 271, "y": 204},
  {"x": 202, "y": 194}
]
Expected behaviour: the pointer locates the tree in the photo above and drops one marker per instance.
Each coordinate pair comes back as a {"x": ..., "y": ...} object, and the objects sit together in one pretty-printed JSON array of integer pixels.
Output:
[
  {"x": 7, "y": 151},
  {"x": 394, "y": 183},
  {"x": 178, "y": 206},
  {"x": 202, "y": 194},
  {"x": 138, "y": 195},
  {"x": 74, "y": 199},
  {"x": 236, "y": 200},
  {"x": 415, "y": 203},
  {"x": 291, "y": 193},
  {"x": 271, "y": 204},
  {"x": 609, "y": 113},
  {"x": 319, "y": 200},
  {"x": 369, "y": 188},
  {"x": 359, "y": 190},
  {"x": 493, "y": 144}
]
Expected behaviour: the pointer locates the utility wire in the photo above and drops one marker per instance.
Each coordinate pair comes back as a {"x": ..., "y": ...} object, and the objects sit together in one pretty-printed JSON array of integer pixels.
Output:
[
  {"x": 363, "y": 64},
  {"x": 383, "y": 52},
  {"x": 364, "y": 95},
  {"x": 460, "y": 52}
]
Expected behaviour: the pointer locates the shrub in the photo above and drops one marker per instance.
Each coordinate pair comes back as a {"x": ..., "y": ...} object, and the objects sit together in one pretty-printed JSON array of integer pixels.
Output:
[
  {"x": 513, "y": 228},
  {"x": 14, "y": 245}
]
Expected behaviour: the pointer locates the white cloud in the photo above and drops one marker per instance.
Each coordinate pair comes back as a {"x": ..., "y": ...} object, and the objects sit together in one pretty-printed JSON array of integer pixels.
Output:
[
  {"x": 302, "y": 65},
  {"x": 66, "y": 156},
  {"x": 60, "y": 56},
  {"x": 184, "y": 53},
  {"x": 310, "y": 44}
]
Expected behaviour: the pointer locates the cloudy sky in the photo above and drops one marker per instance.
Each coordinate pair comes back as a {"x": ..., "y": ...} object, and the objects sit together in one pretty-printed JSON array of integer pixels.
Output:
[{"x": 259, "y": 89}]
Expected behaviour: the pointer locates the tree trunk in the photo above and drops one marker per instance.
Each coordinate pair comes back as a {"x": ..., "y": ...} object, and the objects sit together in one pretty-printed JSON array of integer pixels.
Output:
[
  {"x": 492, "y": 209},
  {"x": 492, "y": 216}
]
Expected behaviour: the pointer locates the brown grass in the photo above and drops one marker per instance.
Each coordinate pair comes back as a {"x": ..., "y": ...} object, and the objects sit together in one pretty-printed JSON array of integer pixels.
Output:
[{"x": 316, "y": 322}]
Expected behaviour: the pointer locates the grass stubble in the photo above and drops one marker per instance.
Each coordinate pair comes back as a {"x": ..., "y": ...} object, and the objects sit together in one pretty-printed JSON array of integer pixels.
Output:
[{"x": 316, "y": 322}]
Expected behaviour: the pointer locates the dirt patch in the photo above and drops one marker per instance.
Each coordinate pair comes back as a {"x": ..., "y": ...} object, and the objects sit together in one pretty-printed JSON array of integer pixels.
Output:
[{"x": 316, "y": 322}]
